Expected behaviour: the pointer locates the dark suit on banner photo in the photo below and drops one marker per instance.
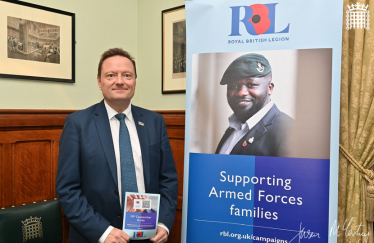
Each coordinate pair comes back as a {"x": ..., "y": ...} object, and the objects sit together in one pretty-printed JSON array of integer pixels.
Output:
[{"x": 269, "y": 137}]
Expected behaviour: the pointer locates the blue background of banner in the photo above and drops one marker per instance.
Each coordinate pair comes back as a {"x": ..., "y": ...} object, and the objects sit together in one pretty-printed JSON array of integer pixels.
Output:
[
  {"x": 209, "y": 217},
  {"x": 212, "y": 208}
]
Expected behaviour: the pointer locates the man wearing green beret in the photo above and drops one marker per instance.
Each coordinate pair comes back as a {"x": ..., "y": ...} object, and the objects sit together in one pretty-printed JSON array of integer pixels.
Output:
[{"x": 257, "y": 126}]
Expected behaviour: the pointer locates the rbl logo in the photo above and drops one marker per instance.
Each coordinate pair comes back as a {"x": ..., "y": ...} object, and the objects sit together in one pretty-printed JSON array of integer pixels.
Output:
[
  {"x": 138, "y": 234},
  {"x": 258, "y": 19}
]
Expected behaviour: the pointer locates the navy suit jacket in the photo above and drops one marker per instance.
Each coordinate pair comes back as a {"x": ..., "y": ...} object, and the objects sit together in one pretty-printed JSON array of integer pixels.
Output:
[
  {"x": 86, "y": 182},
  {"x": 269, "y": 137}
]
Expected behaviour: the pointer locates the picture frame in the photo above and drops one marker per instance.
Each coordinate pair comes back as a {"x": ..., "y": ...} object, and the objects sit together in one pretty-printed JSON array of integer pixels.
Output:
[
  {"x": 174, "y": 50},
  {"x": 36, "y": 42}
]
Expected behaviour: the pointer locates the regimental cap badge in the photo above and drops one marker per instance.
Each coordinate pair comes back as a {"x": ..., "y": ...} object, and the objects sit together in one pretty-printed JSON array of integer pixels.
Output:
[
  {"x": 260, "y": 67},
  {"x": 32, "y": 228}
]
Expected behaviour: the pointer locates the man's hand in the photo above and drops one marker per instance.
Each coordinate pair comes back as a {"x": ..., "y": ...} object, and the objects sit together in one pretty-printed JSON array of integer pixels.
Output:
[
  {"x": 117, "y": 235},
  {"x": 161, "y": 235},
  {"x": 130, "y": 203}
]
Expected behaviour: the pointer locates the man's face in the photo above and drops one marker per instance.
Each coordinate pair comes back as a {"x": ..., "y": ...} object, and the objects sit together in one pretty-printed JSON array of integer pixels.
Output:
[
  {"x": 117, "y": 81},
  {"x": 247, "y": 96}
]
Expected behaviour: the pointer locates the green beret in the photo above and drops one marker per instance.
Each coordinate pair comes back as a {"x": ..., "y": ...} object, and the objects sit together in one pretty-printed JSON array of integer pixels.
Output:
[{"x": 249, "y": 65}]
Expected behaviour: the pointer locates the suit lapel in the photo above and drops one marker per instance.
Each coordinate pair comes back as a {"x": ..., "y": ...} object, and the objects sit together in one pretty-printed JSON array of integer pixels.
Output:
[
  {"x": 249, "y": 139},
  {"x": 256, "y": 132},
  {"x": 105, "y": 134},
  {"x": 144, "y": 143},
  {"x": 224, "y": 138}
]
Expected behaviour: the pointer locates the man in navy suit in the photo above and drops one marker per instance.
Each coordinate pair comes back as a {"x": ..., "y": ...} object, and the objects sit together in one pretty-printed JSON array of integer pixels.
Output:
[
  {"x": 257, "y": 127},
  {"x": 88, "y": 183}
]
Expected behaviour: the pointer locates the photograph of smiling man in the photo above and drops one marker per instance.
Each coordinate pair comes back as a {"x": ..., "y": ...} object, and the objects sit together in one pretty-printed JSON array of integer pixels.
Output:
[
  {"x": 249, "y": 88},
  {"x": 262, "y": 103}
]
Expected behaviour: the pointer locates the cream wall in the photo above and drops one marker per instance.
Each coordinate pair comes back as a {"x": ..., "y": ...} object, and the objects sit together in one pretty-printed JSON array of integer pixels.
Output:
[
  {"x": 134, "y": 25},
  {"x": 149, "y": 57}
]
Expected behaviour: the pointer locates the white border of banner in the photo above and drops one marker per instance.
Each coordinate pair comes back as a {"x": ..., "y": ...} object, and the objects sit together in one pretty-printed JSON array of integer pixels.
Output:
[{"x": 311, "y": 33}]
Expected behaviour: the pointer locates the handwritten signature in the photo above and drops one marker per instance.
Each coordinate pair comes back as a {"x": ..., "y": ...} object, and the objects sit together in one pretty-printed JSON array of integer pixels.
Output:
[
  {"x": 347, "y": 231},
  {"x": 305, "y": 234}
]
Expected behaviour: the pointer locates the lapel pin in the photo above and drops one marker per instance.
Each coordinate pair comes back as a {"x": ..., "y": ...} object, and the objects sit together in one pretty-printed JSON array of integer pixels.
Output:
[
  {"x": 251, "y": 140},
  {"x": 244, "y": 144},
  {"x": 141, "y": 124}
]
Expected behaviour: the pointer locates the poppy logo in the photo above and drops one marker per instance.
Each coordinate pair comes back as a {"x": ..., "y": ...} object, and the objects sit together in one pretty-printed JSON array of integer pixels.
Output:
[
  {"x": 258, "y": 19},
  {"x": 139, "y": 234}
]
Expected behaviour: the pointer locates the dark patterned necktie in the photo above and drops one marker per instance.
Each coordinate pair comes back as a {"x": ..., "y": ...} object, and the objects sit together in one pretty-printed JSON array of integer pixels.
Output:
[{"x": 128, "y": 176}]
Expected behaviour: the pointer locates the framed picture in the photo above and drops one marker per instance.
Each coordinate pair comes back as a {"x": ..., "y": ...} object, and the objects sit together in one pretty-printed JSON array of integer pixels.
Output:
[
  {"x": 36, "y": 42},
  {"x": 174, "y": 50}
]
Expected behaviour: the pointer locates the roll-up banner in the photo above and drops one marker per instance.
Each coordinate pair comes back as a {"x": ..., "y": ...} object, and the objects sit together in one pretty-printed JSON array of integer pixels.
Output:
[{"x": 262, "y": 121}]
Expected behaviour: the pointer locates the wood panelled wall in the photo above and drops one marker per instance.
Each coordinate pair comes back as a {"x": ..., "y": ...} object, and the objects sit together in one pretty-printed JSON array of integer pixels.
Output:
[{"x": 29, "y": 156}]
